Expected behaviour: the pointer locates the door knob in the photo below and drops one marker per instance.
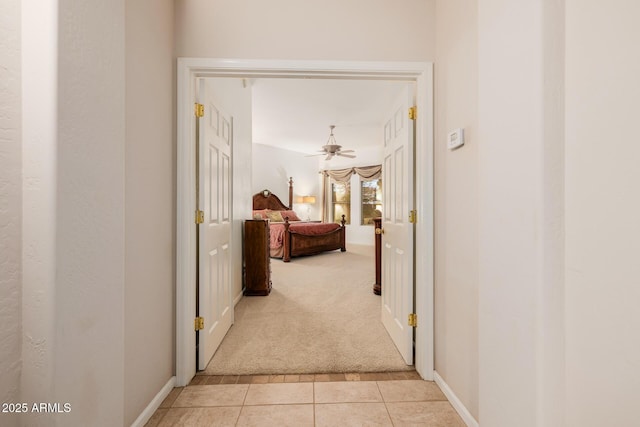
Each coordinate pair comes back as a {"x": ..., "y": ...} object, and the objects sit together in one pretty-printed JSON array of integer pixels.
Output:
[{"x": 379, "y": 230}]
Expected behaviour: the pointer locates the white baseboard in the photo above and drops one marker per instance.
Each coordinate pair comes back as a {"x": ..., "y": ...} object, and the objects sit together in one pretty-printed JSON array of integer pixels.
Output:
[
  {"x": 455, "y": 402},
  {"x": 237, "y": 299},
  {"x": 155, "y": 403}
]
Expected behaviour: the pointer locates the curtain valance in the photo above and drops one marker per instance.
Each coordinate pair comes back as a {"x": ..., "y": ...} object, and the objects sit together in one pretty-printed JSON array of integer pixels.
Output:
[{"x": 365, "y": 172}]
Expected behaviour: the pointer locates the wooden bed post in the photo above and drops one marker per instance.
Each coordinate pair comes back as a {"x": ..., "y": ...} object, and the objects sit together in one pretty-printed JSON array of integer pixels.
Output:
[
  {"x": 290, "y": 192},
  {"x": 286, "y": 244},
  {"x": 343, "y": 234}
]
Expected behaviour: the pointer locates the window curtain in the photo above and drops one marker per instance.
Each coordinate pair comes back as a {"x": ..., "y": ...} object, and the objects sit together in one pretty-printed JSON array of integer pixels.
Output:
[
  {"x": 344, "y": 175},
  {"x": 369, "y": 172}
]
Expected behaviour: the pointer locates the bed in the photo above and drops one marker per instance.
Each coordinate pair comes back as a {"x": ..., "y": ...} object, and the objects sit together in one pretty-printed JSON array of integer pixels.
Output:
[{"x": 291, "y": 237}]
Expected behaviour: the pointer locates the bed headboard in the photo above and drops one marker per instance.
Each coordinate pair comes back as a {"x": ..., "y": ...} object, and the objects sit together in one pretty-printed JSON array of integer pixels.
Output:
[{"x": 267, "y": 200}]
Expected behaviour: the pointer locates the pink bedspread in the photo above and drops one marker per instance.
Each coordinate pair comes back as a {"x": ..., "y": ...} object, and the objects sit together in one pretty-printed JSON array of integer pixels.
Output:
[{"x": 307, "y": 228}]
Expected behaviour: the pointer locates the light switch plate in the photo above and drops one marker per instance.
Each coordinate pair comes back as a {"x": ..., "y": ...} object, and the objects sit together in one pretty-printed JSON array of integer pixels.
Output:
[{"x": 455, "y": 138}]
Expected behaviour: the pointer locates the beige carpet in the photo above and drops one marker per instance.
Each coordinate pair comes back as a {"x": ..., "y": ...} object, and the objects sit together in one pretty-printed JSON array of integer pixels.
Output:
[{"x": 321, "y": 317}]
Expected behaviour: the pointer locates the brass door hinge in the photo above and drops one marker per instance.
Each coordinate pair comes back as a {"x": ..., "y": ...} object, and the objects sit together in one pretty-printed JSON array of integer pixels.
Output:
[
  {"x": 413, "y": 216},
  {"x": 199, "y": 110},
  {"x": 413, "y": 113},
  {"x": 199, "y": 217},
  {"x": 199, "y": 323},
  {"x": 413, "y": 320}
]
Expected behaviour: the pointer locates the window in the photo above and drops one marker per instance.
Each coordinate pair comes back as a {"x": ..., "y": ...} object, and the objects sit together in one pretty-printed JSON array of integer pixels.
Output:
[
  {"x": 341, "y": 201},
  {"x": 371, "y": 192}
]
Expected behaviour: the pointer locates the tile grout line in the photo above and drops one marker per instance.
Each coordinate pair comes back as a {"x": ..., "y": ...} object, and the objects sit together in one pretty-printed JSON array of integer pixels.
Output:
[
  {"x": 314, "y": 403},
  {"x": 384, "y": 401},
  {"x": 163, "y": 415}
]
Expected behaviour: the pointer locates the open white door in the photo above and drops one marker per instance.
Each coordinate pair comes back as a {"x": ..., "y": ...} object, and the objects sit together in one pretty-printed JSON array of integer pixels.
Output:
[
  {"x": 215, "y": 302},
  {"x": 398, "y": 231}
]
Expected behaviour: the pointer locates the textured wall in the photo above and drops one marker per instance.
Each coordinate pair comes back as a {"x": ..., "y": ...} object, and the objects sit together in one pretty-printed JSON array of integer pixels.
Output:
[
  {"x": 39, "y": 135},
  {"x": 10, "y": 207},
  {"x": 149, "y": 203},
  {"x": 90, "y": 215}
]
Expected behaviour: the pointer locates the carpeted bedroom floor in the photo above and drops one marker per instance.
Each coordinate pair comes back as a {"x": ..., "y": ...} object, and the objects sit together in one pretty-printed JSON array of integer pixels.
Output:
[{"x": 321, "y": 317}]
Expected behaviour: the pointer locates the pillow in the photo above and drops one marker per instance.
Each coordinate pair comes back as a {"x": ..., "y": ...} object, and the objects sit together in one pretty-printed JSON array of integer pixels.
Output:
[
  {"x": 260, "y": 214},
  {"x": 275, "y": 216},
  {"x": 290, "y": 215}
]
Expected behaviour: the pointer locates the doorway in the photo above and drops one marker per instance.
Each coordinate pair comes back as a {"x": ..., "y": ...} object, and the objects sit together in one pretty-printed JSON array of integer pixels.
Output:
[{"x": 191, "y": 69}]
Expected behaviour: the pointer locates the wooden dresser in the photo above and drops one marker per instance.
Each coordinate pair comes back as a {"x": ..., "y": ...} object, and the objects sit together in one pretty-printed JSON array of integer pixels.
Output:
[{"x": 256, "y": 260}]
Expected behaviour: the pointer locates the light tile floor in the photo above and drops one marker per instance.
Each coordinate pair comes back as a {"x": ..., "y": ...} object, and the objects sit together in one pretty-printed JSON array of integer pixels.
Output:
[{"x": 391, "y": 399}]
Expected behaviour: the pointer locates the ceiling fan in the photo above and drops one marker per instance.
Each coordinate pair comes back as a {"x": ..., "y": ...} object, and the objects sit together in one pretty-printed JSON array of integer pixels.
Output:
[{"x": 331, "y": 148}]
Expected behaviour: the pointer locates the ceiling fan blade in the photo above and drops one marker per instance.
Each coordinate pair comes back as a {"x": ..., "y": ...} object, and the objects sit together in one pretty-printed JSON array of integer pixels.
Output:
[
  {"x": 346, "y": 155},
  {"x": 314, "y": 155},
  {"x": 347, "y": 151},
  {"x": 329, "y": 156}
]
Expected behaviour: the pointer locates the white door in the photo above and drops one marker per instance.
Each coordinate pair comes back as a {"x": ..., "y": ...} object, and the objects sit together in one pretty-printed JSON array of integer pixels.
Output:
[
  {"x": 215, "y": 302},
  {"x": 397, "y": 239}
]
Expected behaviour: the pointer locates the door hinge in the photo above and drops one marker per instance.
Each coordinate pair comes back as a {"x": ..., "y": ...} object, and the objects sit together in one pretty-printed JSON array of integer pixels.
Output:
[
  {"x": 413, "y": 320},
  {"x": 199, "y": 217},
  {"x": 198, "y": 323},
  {"x": 413, "y": 113},
  {"x": 199, "y": 110},
  {"x": 413, "y": 216}
]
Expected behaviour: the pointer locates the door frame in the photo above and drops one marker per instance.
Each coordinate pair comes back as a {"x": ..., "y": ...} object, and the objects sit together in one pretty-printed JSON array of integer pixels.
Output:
[{"x": 188, "y": 70}]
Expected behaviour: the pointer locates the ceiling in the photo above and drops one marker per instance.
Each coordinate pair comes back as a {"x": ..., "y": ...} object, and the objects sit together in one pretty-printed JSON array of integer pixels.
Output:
[{"x": 295, "y": 114}]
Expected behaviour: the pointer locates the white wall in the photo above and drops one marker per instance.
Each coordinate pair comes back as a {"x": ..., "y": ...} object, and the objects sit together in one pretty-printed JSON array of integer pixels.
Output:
[
  {"x": 456, "y": 200},
  {"x": 234, "y": 96},
  {"x": 10, "y": 208},
  {"x": 272, "y": 168},
  {"x": 88, "y": 149},
  {"x": 149, "y": 203},
  {"x": 39, "y": 33},
  {"x": 520, "y": 205},
  {"x": 509, "y": 114},
  {"x": 81, "y": 138},
  {"x": 602, "y": 211},
  {"x": 90, "y": 213},
  {"x": 289, "y": 29}
]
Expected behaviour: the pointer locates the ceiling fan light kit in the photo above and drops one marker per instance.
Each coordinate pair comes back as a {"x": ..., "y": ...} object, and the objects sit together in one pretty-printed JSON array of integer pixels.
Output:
[{"x": 331, "y": 148}]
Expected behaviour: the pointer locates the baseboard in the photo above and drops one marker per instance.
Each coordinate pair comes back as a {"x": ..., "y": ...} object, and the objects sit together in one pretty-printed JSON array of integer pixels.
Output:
[
  {"x": 237, "y": 299},
  {"x": 455, "y": 402},
  {"x": 154, "y": 404}
]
